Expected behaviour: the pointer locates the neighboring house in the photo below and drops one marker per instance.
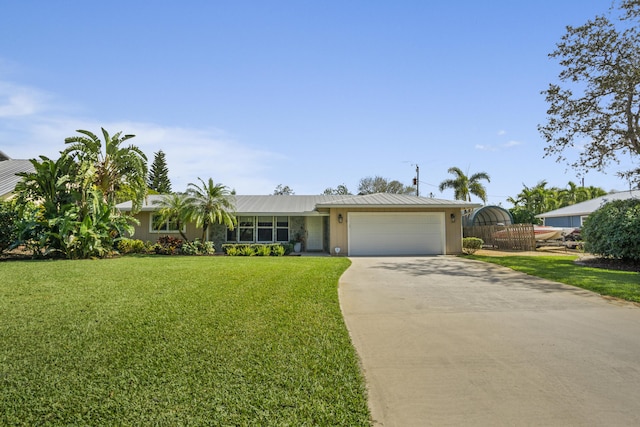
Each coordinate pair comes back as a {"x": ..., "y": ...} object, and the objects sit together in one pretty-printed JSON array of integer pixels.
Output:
[
  {"x": 574, "y": 215},
  {"x": 8, "y": 169},
  {"x": 374, "y": 224}
]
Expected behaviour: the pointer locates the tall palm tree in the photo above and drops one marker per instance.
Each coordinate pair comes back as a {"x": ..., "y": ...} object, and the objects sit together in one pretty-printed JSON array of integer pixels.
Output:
[
  {"x": 571, "y": 195},
  {"x": 210, "y": 204},
  {"x": 116, "y": 166},
  {"x": 175, "y": 207},
  {"x": 464, "y": 186}
]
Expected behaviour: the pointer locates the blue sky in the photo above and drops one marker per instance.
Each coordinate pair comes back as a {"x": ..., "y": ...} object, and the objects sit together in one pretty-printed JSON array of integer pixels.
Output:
[{"x": 309, "y": 94}]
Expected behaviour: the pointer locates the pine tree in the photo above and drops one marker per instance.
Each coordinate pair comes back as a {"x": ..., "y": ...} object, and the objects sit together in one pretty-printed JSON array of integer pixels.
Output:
[{"x": 159, "y": 174}]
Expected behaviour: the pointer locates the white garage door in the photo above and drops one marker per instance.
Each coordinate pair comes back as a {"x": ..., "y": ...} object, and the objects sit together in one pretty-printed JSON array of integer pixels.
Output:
[{"x": 396, "y": 233}]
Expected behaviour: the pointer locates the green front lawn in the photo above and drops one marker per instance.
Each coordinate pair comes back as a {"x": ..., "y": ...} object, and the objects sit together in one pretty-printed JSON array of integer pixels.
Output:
[
  {"x": 177, "y": 341},
  {"x": 620, "y": 284}
]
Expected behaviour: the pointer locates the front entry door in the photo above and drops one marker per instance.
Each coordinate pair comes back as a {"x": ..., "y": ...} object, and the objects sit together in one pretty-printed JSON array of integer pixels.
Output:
[{"x": 314, "y": 233}]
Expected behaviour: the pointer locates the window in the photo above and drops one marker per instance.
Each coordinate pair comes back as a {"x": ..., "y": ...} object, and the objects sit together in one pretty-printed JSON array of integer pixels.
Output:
[
  {"x": 245, "y": 228},
  {"x": 260, "y": 229},
  {"x": 282, "y": 229},
  {"x": 232, "y": 235},
  {"x": 265, "y": 229},
  {"x": 168, "y": 226}
]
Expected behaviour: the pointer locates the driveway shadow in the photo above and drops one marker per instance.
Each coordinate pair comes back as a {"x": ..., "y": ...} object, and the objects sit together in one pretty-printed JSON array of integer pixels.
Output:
[{"x": 467, "y": 269}]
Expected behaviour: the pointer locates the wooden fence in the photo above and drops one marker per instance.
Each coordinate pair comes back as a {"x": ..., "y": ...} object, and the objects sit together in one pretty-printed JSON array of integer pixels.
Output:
[{"x": 515, "y": 237}]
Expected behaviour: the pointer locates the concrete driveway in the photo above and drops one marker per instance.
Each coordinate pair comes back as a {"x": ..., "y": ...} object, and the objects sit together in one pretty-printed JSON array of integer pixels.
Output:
[{"x": 449, "y": 341}]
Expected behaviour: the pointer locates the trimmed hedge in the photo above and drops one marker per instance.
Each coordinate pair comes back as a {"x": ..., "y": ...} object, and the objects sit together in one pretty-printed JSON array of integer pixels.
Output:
[
  {"x": 471, "y": 244},
  {"x": 257, "y": 249}
]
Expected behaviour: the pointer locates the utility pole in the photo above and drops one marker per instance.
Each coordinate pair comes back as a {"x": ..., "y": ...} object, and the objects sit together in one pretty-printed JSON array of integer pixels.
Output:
[{"x": 416, "y": 181}]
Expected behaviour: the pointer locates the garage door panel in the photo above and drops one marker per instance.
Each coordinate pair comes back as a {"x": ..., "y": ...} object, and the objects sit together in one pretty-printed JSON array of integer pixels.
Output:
[{"x": 396, "y": 233}]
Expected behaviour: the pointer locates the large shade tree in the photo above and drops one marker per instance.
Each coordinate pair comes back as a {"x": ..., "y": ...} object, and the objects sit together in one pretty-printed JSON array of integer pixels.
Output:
[
  {"x": 595, "y": 106},
  {"x": 464, "y": 186},
  {"x": 211, "y": 203},
  {"x": 116, "y": 167}
]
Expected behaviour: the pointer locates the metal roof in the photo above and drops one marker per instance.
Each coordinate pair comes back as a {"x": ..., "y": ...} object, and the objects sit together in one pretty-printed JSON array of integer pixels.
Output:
[
  {"x": 307, "y": 205},
  {"x": 8, "y": 178},
  {"x": 380, "y": 200},
  {"x": 585, "y": 208}
]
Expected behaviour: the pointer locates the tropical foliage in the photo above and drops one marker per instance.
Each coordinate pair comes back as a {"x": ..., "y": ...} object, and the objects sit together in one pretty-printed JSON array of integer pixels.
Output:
[
  {"x": 532, "y": 201},
  {"x": 116, "y": 170},
  {"x": 614, "y": 230},
  {"x": 464, "y": 186},
  {"x": 63, "y": 209},
  {"x": 210, "y": 203},
  {"x": 8, "y": 218},
  {"x": 176, "y": 208},
  {"x": 597, "y": 99}
]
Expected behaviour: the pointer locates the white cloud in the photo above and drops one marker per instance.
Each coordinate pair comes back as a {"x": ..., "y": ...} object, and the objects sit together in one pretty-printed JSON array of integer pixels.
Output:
[
  {"x": 205, "y": 153},
  {"x": 512, "y": 144},
  {"x": 190, "y": 153},
  {"x": 504, "y": 146},
  {"x": 502, "y": 132},
  {"x": 35, "y": 123},
  {"x": 18, "y": 100},
  {"x": 482, "y": 147}
]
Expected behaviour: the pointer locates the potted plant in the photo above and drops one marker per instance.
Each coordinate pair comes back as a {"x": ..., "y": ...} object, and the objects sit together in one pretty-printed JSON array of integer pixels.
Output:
[{"x": 298, "y": 241}]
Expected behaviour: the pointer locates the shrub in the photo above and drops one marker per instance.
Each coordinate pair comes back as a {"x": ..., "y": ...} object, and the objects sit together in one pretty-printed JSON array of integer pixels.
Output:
[
  {"x": 471, "y": 244},
  {"x": 247, "y": 251},
  {"x": 254, "y": 249},
  {"x": 231, "y": 250},
  {"x": 288, "y": 248},
  {"x": 277, "y": 250},
  {"x": 263, "y": 250},
  {"x": 613, "y": 230},
  {"x": 190, "y": 248},
  {"x": 168, "y": 245},
  {"x": 8, "y": 228},
  {"x": 131, "y": 246},
  {"x": 208, "y": 248},
  {"x": 197, "y": 248}
]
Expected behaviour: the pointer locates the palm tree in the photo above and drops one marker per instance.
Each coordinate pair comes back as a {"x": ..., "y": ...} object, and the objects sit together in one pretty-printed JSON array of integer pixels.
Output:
[
  {"x": 116, "y": 167},
  {"x": 464, "y": 186},
  {"x": 210, "y": 204},
  {"x": 592, "y": 192},
  {"x": 175, "y": 207}
]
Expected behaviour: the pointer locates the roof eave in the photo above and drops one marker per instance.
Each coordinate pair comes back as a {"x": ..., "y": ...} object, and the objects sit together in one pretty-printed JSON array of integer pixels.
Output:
[{"x": 391, "y": 205}]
